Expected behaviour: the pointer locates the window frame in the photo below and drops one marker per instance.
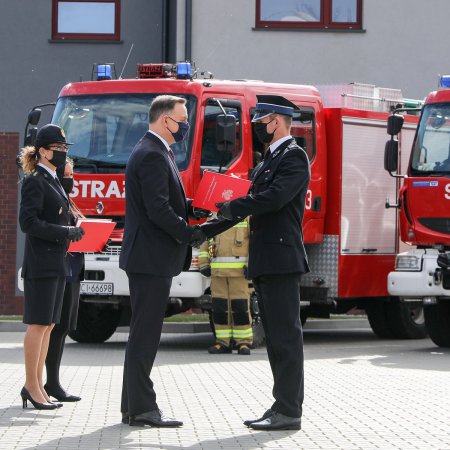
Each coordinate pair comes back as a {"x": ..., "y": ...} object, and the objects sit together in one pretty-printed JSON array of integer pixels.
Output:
[
  {"x": 85, "y": 36},
  {"x": 325, "y": 24}
]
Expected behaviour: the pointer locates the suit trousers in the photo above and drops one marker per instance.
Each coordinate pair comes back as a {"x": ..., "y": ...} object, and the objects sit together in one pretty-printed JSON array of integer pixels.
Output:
[
  {"x": 149, "y": 297},
  {"x": 279, "y": 305}
]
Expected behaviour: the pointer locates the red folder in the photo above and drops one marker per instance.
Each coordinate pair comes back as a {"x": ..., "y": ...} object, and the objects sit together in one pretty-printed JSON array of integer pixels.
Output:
[
  {"x": 216, "y": 187},
  {"x": 96, "y": 234}
]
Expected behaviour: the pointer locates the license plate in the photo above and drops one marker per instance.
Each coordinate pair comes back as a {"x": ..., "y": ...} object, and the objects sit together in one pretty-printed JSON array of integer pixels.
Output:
[{"x": 88, "y": 288}]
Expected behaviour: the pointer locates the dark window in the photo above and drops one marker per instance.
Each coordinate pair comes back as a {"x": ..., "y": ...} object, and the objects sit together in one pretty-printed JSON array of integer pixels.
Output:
[
  {"x": 86, "y": 20},
  {"x": 320, "y": 14},
  {"x": 211, "y": 157},
  {"x": 302, "y": 130}
]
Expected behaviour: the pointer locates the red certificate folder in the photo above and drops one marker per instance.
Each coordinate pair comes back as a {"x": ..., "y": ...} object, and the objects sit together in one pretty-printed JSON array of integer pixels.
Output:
[
  {"x": 216, "y": 187},
  {"x": 96, "y": 234}
]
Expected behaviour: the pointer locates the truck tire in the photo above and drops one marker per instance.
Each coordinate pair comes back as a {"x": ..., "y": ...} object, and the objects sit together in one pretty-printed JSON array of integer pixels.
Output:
[
  {"x": 406, "y": 319},
  {"x": 96, "y": 322},
  {"x": 437, "y": 319},
  {"x": 378, "y": 319}
]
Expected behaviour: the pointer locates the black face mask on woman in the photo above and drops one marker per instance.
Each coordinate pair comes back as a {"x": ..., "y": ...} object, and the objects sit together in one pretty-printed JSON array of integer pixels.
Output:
[
  {"x": 261, "y": 132},
  {"x": 59, "y": 159},
  {"x": 67, "y": 184}
]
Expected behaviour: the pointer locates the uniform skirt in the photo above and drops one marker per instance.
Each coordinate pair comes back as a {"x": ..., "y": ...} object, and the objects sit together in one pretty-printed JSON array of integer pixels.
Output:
[{"x": 43, "y": 300}]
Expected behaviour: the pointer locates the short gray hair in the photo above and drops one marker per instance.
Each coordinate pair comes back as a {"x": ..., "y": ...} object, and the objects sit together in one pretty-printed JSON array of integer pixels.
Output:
[{"x": 163, "y": 104}]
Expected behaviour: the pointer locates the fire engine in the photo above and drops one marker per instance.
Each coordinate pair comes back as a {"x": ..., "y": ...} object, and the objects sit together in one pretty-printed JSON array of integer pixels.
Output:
[
  {"x": 351, "y": 239},
  {"x": 422, "y": 273}
]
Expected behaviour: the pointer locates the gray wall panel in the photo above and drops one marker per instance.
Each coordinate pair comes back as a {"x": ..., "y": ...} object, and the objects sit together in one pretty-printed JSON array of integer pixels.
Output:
[{"x": 404, "y": 46}]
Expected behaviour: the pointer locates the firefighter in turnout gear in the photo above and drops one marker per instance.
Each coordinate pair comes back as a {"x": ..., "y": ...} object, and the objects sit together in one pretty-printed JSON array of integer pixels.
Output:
[{"x": 224, "y": 258}]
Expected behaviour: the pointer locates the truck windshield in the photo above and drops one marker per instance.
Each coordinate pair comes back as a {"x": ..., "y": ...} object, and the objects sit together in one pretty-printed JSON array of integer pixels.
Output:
[
  {"x": 105, "y": 129},
  {"x": 431, "y": 151}
]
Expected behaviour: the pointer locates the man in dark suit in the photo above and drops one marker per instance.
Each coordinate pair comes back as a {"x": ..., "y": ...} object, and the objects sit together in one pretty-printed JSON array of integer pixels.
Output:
[
  {"x": 155, "y": 248},
  {"x": 277, "y": 256}
]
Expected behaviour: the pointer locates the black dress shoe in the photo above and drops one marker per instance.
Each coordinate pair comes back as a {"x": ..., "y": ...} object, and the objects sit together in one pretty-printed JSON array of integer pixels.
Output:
[
  {"x": 125, "y": 418},
  {"x": 267, "y": 414},
  {"x": 61, "y": 395},
  {"x": 278, "y": 421},
  {"x": 153, "y": 418}
]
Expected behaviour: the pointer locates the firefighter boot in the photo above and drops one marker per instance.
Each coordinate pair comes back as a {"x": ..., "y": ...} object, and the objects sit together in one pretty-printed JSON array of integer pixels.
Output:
[
  {"x": 244, "y": 349},
  {"x": 217, "y": 349}
]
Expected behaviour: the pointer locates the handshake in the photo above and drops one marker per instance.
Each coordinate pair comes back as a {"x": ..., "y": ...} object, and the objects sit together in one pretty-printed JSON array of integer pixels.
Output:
[{"x": 198, "y": 236}]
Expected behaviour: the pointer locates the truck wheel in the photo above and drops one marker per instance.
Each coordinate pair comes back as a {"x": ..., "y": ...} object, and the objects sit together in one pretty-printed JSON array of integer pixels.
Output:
[
  {"x": 303, "y": 316},
  {"x": 377, "y": 315},
  {"x": 437, "y": 319},
  {"x": 96, "y": 322},
  {"x": 406, "y": 319}
]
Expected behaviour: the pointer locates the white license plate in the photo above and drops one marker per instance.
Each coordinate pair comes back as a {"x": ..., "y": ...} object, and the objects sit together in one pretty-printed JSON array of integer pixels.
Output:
[{"x": 91, "y": 288}]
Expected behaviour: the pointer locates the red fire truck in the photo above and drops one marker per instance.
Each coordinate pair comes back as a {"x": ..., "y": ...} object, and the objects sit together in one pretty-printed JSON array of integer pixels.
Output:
[
  {"x": 422, "y": 273},
  {"x": 351, "y": 238}
]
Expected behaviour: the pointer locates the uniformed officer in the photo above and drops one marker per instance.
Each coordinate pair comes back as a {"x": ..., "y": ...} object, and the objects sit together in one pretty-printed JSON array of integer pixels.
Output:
[
  {"x": 225, "y": 259},
  {"x": 277, "y": 256},
  {"x": 44, "y": 218}
]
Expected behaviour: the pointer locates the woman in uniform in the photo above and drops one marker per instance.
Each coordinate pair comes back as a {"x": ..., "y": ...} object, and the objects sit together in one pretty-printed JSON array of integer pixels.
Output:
[{"x": 45, "y": 220}]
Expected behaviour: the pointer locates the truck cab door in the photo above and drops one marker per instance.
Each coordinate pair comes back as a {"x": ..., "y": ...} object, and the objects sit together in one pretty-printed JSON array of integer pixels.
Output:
[{"x": 306, "y": 133}]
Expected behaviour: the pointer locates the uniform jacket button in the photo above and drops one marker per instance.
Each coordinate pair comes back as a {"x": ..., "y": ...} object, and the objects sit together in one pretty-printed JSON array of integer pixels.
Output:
[{"x": 281, "y": 239}]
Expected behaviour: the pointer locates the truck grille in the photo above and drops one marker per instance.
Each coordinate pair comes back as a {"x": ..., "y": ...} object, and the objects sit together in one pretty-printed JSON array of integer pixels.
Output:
[
  {"x": 109, "y": 250},
  {"x": 439, "y": 224}
]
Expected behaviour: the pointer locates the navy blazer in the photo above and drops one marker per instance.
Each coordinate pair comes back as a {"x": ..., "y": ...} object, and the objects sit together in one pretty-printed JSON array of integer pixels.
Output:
[
  {"x": 44, "y": 215},
  {"x": 156, "y": 232},
  {"x": 276, "y": 205}
]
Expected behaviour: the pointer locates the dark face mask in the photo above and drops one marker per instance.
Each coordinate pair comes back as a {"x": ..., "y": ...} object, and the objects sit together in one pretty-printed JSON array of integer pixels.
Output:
[
  {"x": 67, "y": 184},
  {"x": 261, "y": 132},
  {"x": 59, "y": 159},
  {"x": 182, "y": 131}
]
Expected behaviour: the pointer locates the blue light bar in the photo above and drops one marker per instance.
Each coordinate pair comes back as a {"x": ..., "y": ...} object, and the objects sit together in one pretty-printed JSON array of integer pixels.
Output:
[
  {"x": 104, "y": 72},
  {"x": 184, "y": 70},
  {"x": 444, "y": 81}
]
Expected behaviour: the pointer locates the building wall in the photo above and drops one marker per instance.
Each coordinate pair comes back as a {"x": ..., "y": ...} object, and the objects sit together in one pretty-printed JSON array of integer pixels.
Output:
[
  {"x": 404, "y": 45},
  {"x": 34, "y": 69},
  {"x": 9, "y": 303}
]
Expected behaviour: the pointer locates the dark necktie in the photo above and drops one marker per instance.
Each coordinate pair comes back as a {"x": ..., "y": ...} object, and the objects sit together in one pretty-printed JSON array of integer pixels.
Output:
[
  {"x": 60, "y": 187},
  {"x": 172, "y": 156}
]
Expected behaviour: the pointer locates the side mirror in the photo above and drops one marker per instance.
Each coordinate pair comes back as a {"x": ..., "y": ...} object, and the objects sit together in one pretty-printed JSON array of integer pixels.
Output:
[
  {"x": 33, "y": 116},
  {"x": 30, "y": 137},
  {"x": 395, "y": 124},
  {"x": 226, "y": 133},
  {"x": 391, "y": 156}
]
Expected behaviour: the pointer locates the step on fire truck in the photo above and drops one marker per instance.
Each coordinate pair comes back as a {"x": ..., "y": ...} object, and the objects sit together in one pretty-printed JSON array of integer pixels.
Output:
[
  {"x": 422, "y": 274},
  {"x": 351, "y": 238}
]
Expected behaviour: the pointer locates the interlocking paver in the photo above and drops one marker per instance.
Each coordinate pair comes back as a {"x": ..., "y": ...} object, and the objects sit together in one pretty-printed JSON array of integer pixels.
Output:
[{"x": 361, "y": 393}]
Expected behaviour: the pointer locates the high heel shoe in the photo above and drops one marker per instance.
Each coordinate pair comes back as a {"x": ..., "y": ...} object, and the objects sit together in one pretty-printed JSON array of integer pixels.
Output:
[{"x": 26, "y": 396}]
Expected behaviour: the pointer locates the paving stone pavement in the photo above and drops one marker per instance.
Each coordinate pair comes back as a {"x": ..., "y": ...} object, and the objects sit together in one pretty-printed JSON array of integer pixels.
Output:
[{"x": 361, "y": 393}]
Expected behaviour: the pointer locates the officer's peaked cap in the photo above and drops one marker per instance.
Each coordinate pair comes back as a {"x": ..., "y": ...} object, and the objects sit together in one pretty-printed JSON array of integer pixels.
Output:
[
  {"x": 273, "y": 104},
  {"x": 50, "y": 134}
]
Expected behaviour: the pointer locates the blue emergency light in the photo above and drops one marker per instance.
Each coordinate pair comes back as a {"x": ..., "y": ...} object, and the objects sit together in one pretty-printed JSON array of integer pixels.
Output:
[
  {"x": 184, "y": 70},
  {"x": 444, "y": 81},
  {"x": 104, "y": 72}
]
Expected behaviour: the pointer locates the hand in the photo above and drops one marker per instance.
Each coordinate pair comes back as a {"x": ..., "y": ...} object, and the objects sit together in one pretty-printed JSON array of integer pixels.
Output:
[
  {"x": 200, "y": 213},
  {"x": 75, "y": 234},
  {"x": 198, "y": 237},
  {"x": 224, "y": 211},
  {"x": 206, "y": 271}
]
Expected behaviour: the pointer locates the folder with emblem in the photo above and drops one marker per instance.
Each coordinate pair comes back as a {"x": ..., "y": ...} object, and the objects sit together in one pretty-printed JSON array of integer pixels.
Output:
[
  {"x": 216, "y": 187},
  {"x": 96, "y": 234}
]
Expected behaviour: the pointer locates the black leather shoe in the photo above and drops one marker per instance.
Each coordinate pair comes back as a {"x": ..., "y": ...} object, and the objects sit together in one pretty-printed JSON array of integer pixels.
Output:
[
  {"x": 278, "y": 421},
  {"x": 153, "y": 418},
  {"x": 61, "y": 395},
  {"x": 125, "y": 418},
  {"x": 267, "y": 414}
]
